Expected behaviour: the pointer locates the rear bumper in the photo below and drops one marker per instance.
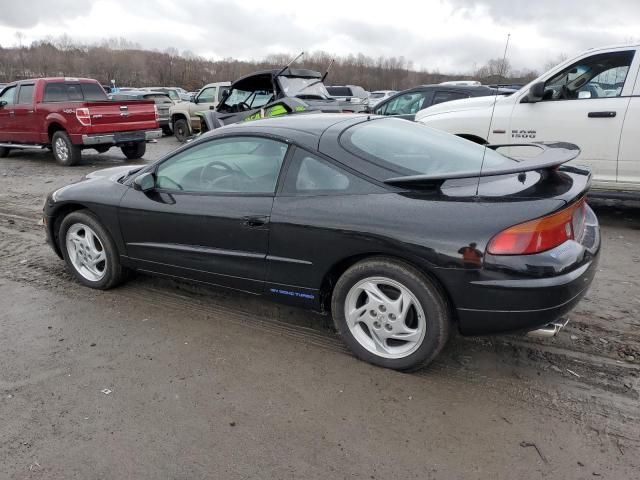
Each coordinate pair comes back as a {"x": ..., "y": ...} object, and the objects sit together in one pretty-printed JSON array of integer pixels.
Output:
[
  {"x": 526, "y": 292},
  {"x": 542, "y": 301},
  {"x": 120, "y": 137}
]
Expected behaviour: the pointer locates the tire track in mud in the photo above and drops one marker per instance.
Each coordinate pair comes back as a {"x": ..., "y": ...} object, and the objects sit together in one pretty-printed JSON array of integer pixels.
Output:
[{"x": 594, "y": 394}]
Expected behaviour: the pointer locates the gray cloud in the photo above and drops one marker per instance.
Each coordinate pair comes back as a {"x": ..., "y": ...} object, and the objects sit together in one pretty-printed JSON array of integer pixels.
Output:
[
  {"x": 233, "y": 29},
  {"x": 23, "y": 14}
]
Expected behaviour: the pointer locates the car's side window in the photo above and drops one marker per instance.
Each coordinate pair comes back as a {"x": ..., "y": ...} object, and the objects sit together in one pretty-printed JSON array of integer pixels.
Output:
[
  {"x": 8, "y": 95},
  {"x": 309, "y": 174},
  {"x": 598, "y": 76},
  {"x": 208, "y": 95},
  {"x": 444, "y": 96},
  {"x": 405, "y": 104},
  {"x": 248, "y": 165},
  {"x": 25, "y": 95}
]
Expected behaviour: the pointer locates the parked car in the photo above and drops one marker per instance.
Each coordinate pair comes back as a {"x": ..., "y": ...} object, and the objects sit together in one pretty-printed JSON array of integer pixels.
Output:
[
  {"x": 71, "y": 114},
  {"x": 352, "y": 98},
  {"x": 162, "y": 100},
  {"x": 270, "y": 93},
  {"x": 402, "y": 232},
  {"x": 173, "y": 92},
  {"x": 184, "y": 119},
  {"x": 409, "y": 102},
  {"x": 379, "y": 96},
  {"x": 592, "y": 100}
]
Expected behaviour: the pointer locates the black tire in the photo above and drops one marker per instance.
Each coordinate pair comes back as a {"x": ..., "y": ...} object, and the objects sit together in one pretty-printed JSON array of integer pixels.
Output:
[
  {"x": 135, "y": 151},
  {"x": 181, "y": 130},
  {"x": 437, "y": 321},
  {"x": 166, "y": 131},
  {"x": 66, "y": 153},
  {"x": 114, "y": 273},
  {"x": 102, "y": 148},
  {"x": 4, "y": 152}
]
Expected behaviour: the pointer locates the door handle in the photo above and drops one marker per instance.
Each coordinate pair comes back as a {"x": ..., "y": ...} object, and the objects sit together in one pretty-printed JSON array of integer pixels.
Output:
[
  {"x": 12, "y": 113},
  {"x": 601, "y": 114},
  {"x": 255, "y": 221}
]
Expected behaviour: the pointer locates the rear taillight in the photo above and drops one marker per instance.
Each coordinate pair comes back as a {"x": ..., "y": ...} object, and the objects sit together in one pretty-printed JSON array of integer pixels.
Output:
[
  {"x": 83, "y": 116},
  {"x": 541, "y": 234},
  {"x": 155, "y": 109}
]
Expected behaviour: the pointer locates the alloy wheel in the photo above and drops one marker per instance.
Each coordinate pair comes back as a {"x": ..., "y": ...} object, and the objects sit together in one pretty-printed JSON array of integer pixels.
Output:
[
  {"x": 62, "y": 150},
  {"x": 385, "y": 317},
  {"x": 86, "y": 252}
]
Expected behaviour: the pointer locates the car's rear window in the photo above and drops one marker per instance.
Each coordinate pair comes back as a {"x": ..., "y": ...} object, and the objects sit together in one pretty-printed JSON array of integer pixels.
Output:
[
  {"x": 339, "y": 91},
  {"x": 71, "y": 92},
  {"x": 376, "y": 95},
  {"x": 409, "y": 148}
]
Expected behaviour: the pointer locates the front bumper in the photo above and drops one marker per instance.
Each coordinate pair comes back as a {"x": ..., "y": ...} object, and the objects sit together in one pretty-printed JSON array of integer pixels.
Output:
[{"x": 121, "y": 137}]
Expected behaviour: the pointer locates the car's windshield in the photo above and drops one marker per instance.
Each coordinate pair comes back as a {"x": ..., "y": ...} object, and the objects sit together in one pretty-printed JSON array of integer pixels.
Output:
[
  {"x": 295, "y": 86},
  {"x": 376, "y": 95},
  {"x": 408, "y": 148},
  {"x": 253, "y": 98}
]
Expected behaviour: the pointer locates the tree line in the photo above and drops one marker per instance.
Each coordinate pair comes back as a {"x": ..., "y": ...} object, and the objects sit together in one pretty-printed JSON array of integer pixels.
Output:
[{"x": 130, "y": 65}]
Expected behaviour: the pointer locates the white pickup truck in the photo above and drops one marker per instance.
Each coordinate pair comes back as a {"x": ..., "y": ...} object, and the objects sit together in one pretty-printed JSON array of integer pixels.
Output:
[{"x": 592, "y": 100}]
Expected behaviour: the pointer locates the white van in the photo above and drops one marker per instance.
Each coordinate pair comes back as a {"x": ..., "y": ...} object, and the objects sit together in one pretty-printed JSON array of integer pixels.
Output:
[{"x": 592, "y": 100}]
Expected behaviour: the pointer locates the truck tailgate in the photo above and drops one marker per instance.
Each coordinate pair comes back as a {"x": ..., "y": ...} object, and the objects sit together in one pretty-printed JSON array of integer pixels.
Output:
[{"x": 122, "y": 116}]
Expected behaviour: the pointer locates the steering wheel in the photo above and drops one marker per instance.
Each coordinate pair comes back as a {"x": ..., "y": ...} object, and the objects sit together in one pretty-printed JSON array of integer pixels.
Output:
[
  {"x": 245, "y": 106},
  {"x": 563, "y": 94},
  {"x": 215, "y": 164}
]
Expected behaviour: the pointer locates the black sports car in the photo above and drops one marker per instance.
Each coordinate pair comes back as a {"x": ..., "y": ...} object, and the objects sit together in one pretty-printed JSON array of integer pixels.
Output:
[{"x": 402, "y": 232}]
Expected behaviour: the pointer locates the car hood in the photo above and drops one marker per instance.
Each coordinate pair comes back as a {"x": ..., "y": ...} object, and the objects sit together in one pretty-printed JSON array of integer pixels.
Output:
[
  {"x": 474, "y": 103},
  {"x": 113, "y": 173}
]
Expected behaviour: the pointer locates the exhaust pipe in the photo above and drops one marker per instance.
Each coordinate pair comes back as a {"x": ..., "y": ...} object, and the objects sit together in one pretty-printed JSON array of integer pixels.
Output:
[{"x": 550, "y": 329}]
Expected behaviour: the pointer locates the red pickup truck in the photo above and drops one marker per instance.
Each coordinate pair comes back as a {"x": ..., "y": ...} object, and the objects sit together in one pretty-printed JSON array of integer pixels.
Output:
[{"x": 68, "y": 115}]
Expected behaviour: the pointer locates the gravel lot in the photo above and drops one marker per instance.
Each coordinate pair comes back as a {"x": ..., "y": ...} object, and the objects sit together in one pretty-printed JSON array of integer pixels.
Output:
[{"x": 158, "y": 379}]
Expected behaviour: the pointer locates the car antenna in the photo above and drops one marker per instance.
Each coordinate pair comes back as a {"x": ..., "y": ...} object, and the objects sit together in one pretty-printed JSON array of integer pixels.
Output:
[
  {"x": 289, "y": 64},
  {"x": 328, "y": 70},
  {"x": 493, "y": 109}
]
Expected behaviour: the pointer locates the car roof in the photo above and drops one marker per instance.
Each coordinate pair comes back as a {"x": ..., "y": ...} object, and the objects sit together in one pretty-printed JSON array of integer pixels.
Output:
[{"x": 303, "y": 128}]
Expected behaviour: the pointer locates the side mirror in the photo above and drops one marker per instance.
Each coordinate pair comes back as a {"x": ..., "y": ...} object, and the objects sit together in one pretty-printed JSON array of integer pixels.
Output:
[
  {"x": 195, "y": 100},
  {"x": 584, "y": 94},
  {"x": 192, "y": 98},
  {"x": 144, "y": 182},
  {"x": 536, "y": 92}
]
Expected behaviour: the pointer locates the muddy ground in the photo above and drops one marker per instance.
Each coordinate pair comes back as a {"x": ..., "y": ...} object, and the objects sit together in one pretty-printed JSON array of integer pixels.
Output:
[{"x": 163, "y": 380}]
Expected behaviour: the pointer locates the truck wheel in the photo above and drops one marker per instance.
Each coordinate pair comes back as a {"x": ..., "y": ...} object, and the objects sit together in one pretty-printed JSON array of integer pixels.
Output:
[
  {"x": 166, "y": 131},
  {"x": 135, "y": 151},
  {"x": 65, "y": 152},
  {"x": 102, "y": 148},
  {"x": 181, "y": 130},
  {"x": 4, "y": 152}
]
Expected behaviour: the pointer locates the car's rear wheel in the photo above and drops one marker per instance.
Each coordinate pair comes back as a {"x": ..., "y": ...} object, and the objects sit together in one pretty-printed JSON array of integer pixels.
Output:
[
  {"x": 4, "y": 152},
  {"x": 181, "y": 130},
  {"x": 390, "y": 314},
  {"x": 89, "y": 251},
  {"x": 65, "y": 152},
  {"x": 135, "y": 151}
]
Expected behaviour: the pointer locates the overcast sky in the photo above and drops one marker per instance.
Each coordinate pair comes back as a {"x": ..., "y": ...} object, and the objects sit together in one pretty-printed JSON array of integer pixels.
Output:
[{"x": 448, "y": 35}]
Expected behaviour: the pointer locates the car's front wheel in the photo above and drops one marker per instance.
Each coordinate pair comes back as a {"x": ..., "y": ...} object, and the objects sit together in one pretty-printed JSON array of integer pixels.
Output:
[
  {"x": 390, "y": 314},
  {"x": 89, "y": 251}
]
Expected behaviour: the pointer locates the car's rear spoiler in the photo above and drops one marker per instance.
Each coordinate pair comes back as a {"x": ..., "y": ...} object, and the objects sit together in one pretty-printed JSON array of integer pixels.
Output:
[{"x": 552, "y": 156}]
